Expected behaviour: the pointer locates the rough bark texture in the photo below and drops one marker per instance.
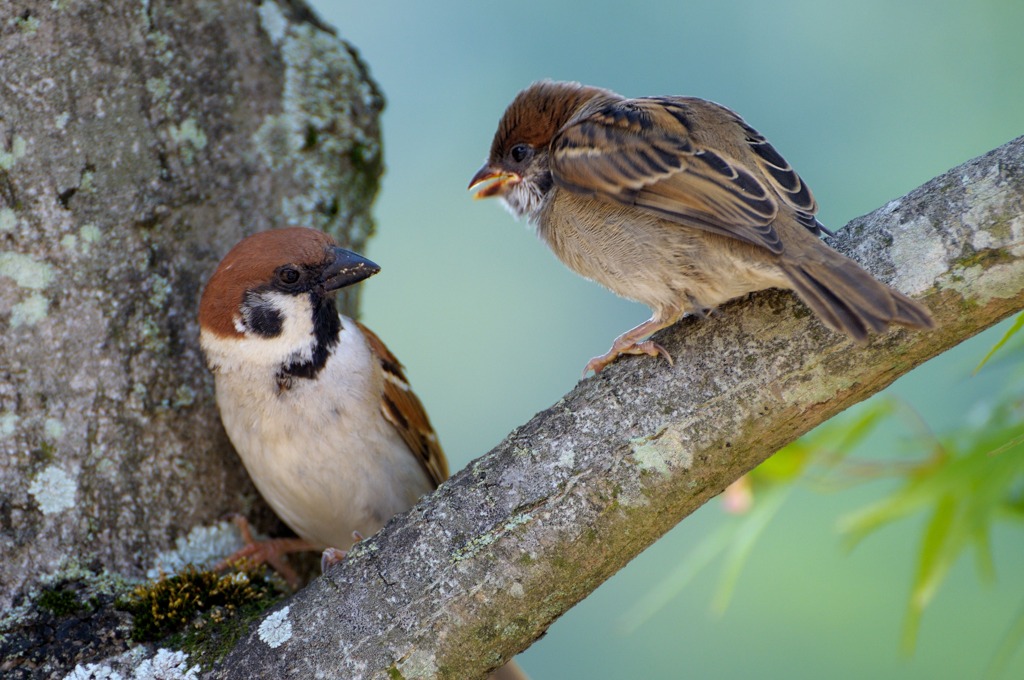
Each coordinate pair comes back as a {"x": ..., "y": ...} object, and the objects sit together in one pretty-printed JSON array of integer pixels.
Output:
[
  {"x": 138, "y": 142},
  {"x": 477, "y": 571}
]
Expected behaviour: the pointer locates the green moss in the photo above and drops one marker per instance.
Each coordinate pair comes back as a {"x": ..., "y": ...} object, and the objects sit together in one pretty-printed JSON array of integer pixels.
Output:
[
  {"x": 395, "y": 674},
  {"x": 201, "y": 607},
  {"x": 365, "y": 159},
  {"x": 312, "y": 137},
  {"x": 59, "y": 601},
  {"x": 984, "y": 258},
  {"x": 44, "y": 453},
  {"x": 211, "y": 637},
  {"x": 26, "y": 24}
]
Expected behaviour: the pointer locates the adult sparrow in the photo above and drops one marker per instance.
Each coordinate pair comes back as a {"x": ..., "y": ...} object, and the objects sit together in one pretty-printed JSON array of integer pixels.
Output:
[
  {"x": 677, "y": 203},
  {"x": 317, "y": 407}
]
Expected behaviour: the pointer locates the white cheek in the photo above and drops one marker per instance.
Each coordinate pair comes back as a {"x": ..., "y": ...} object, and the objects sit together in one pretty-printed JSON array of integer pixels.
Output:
[
  {"x": 523, "y": 199},
  {"x": 295, "y": 342}
]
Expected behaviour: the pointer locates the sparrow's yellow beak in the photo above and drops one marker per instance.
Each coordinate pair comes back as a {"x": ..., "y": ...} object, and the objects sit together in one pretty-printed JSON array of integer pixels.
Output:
[{"x": 499, "y": 180}]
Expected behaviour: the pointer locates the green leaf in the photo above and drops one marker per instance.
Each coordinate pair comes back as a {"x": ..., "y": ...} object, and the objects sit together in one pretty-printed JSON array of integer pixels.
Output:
[
  {"x": 751, "y": 529},
  {"x": 662, "y": 594},
  {"x": 1017, "y": 325},
  {"x": 1012, "y": 640},
  {"x": 735, "y": 541},
  {"x": 933, "y": 564},
  {"x": 827, "y": 445},
  {"x": 975, "y": 481}
]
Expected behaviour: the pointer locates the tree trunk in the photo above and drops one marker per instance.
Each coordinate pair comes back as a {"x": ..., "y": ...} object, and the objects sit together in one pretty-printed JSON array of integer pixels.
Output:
[{"x": 138, "y": 142}]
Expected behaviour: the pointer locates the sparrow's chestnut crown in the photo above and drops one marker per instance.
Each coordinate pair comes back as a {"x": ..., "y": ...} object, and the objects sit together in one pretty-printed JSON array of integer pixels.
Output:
[{"x": 292, "y": 260}]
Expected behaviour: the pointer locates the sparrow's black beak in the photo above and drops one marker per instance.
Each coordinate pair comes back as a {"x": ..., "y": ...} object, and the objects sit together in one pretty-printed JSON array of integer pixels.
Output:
[{"x": 346, "y": 269}]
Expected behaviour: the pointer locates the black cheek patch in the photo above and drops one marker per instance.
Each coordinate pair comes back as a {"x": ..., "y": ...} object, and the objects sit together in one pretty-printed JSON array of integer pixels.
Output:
[
  {"x": 262, "y": 318},
  {"x": 544, "y": 182}
]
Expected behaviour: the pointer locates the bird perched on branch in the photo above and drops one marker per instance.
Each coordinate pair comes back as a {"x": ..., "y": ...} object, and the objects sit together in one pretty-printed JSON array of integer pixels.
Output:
[
  {"x": 317, "y": 407},
  {"x": 677, "y": 203}
]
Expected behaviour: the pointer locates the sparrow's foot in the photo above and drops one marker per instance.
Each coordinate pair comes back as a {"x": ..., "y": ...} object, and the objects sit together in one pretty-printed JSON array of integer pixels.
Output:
[
  {"x": 332, "y": 556},
  {"x": 648, "y": 347},
  {"x": 270, "y": 551},
  {"x": 631, "y": 342}
]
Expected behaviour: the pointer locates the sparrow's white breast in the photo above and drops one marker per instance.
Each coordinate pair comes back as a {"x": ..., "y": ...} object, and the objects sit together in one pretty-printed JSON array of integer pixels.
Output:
[{"x": 320, "y": 452}]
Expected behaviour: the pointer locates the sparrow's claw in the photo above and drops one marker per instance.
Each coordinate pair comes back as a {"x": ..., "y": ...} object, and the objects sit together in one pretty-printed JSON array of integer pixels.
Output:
[
  {"x": 332, "y": 556},
  {"x": 631, "y": 342},
  {"x": 597, "y": 364},
  {"x": 270, "y": 551},
  {"x": 648, "y": 347}
]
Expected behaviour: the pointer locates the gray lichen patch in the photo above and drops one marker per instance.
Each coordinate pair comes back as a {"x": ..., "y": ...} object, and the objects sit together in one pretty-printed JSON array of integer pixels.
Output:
[
  {"x": 8, "y": 219},
  {"x": 276, "y": 629},
  {"x": 29, "y": 311},
  {"x": 26, "y": 271},
  {"x": 165, "y": 664},
  {"x": 8, "y": 422},
  {"x": 30, "y": 274},
  {"x": 920, "y": 243},
  {"x": 188, "y": 137},
  {"x": 980, "y": 284},
  {"x": 203, "y": 546},
  {"x": 10, "y": 156},
  {"x": 54, "y": 490},
  {"x": 53, "y": 428},
  {"x": 320, "y": 136},
  {"x": 420, "y": 663},
  {"x": 272, "y": 21}
]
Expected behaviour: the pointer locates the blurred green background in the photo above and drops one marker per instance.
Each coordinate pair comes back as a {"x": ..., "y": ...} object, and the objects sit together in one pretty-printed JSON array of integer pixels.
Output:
[{"x": 867, "y": 100}]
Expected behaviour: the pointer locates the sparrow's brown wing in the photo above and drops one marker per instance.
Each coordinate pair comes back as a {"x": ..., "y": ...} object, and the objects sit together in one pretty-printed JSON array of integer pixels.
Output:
[
  {"x": 779, "y": 175},
  {"x": 403, "y": 409},
  {"x": 648, "y": 153}
]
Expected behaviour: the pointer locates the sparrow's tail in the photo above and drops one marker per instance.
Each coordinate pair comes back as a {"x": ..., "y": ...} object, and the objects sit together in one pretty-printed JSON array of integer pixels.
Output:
[{"x": 848, "y": 299}]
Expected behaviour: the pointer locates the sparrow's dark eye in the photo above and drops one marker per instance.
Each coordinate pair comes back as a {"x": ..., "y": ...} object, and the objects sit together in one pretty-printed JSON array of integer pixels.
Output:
[
  {"x": 520, "y": 152},
  {"x": 289, "y": 276}
]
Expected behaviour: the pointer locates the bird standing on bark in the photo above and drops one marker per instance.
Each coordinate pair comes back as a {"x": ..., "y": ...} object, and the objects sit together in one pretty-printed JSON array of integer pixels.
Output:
[
  {"x": 317, "y": 407},
  {"x": 677, "y": 203}
]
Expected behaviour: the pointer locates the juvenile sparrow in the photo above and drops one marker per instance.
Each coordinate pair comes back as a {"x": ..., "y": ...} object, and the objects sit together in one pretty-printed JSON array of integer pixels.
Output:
[
  {"x": 677, "y": 203},
  {"x": 318, "y": 409}
]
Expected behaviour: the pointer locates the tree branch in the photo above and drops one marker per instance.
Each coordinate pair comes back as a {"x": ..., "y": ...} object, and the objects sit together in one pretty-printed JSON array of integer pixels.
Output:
[{"x": 481, "y": 568}]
